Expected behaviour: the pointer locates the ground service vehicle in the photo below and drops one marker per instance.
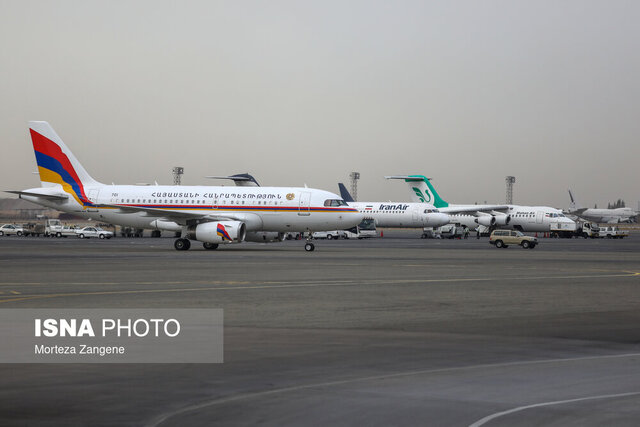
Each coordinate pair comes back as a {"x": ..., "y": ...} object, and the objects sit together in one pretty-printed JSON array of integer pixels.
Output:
[
  {"x": 504, "y": 238},
  {"x": 52, "y": 227},
  {"x": 364, "y": 230},
  {"x": 33, "y": 229},
  {"x": 612, "y": 233},
  {"x": 9, "y": 229},
  {"x": 587, "y": 229},
  {"x": 330, "y": 235}
]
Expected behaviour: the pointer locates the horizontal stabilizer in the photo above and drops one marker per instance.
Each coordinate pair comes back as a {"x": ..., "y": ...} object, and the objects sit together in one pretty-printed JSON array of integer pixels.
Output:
[
  {"x": 241, "y": 179},
  {"x": 407, "y": 177},
  {"x": 50, "y": 196}
]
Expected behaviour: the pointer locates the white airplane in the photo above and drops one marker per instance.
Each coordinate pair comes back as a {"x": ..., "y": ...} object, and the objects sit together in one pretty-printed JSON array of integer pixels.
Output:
[
  {"x": 523, "y": 218},
  {"x": 609, "y": 216},
  {"x": 397, "y": 214},
  {"x": 209, "y": 214}
]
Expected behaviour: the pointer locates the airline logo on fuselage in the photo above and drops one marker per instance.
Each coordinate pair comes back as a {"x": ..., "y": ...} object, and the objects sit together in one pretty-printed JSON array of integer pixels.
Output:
[{"x": 393, "y": 207}]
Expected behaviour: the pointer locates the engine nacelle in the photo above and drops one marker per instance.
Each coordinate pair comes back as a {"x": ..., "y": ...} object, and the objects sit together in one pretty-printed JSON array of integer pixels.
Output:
[
  {"x": 218, "y": 232},
  {"x": 486, "y": 220},
  {"x": 264, "y": 236},
  {"x": 502, "y": 219},
  {"x": 159, "y": 224}
]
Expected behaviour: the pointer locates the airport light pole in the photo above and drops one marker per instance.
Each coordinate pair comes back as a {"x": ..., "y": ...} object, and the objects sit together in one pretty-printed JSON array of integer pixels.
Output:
[
  {"x": 510, "y": 180},
  {"x": 177, "y": 174},
  {"x": 355, "y": 176}
]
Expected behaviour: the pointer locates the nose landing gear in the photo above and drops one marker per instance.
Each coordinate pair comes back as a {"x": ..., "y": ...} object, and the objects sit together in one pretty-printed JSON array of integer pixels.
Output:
[{"x": 309, "y": 247}]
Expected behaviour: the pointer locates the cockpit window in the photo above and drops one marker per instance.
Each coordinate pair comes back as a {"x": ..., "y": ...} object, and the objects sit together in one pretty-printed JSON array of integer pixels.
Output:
[{"x": 335, "y": 202}]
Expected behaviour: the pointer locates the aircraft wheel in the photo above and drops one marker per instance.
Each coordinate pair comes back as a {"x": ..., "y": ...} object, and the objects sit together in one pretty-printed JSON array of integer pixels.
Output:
[
  {"x": 182, "y": 244},
  {"x": 309, "y": 247},
  {"x": 210, "y": 246}
]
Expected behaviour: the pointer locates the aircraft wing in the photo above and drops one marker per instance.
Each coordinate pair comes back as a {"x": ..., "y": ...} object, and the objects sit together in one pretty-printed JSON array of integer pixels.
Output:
[
  {"x": 472, "y": 209},
  {"x": 50, "y": 196},
  {"x": 178, "y": 215}
]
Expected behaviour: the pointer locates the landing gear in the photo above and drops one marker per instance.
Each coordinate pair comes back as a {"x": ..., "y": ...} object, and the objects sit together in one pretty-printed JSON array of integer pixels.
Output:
[
  {"x": 309, "y": 247},
  {"x": 182, "y": 244},
  {"x": 210, "y": 246}
]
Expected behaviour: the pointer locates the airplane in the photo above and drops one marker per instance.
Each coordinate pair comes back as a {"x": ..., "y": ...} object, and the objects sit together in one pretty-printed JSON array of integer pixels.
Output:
[
  {"x": 212, "y": 215},
  {"x": 522, "y": 218},
  {"x": 609, "y": 216},
  {"x": 397, "y": 214}
]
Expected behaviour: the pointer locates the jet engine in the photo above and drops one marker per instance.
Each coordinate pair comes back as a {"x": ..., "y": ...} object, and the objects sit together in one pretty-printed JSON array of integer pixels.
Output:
[
  {"x": 264, "y": 236},
  {"x": 502, "y": 219},
  {"x": 486, "y": 220},
  {"x": 218, "y": 232}
]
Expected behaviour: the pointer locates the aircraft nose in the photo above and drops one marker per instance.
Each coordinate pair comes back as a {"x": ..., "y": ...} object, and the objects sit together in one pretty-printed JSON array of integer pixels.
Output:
[
  {"x": 436, "y": 219},
  {"x": 354, "y": 218},
  {"x": 442, "y": 219}
]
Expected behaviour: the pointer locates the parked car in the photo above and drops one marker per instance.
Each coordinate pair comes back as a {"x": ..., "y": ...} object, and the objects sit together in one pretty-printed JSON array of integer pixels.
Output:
[
  {"x": 9, "y": 229},
  {"x": 504, "y": 238},
  {"x": 87, "y": 232}
]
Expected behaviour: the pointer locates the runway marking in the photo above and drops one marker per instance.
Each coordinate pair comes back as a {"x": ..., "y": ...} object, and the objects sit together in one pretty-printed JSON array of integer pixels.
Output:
[
  {"x": 557, "y": 402},
  {"x": 302, "y": 285},
  {"x": 163, "y": 417}
]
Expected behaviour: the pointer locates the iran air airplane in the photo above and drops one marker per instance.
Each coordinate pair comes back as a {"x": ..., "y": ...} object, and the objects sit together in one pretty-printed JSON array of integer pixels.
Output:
[
  {"x": 212, "y": 215},
  {"x": 397, "y": 214},
  {"x": 609, "y": 216},
  {"x": 523, "y": 218}
]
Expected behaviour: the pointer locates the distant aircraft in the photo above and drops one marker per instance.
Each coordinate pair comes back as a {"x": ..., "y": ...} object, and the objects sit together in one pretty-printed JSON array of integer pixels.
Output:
[
  {"x": 209, "y": 214},
  {"x": 523, "y": 218},
  {"x": 397, "y": 214},
  {"x": 610, "y": 216}
]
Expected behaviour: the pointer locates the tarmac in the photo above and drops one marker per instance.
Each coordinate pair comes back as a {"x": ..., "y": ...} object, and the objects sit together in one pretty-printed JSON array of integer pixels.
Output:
[{"x": 390, "y": 331}]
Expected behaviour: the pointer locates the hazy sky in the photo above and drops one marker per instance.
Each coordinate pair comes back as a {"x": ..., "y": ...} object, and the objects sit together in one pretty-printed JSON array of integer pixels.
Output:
[{"x": 296, "y": 92}]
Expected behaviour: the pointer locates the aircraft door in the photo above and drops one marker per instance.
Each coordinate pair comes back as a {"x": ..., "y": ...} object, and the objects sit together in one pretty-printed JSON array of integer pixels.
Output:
[
  {"x": 304, "y": 203},
  {"x": 416, "y": 216},
  {"x": 93, "y": 198},
  {"x": 539, "y": 217}
]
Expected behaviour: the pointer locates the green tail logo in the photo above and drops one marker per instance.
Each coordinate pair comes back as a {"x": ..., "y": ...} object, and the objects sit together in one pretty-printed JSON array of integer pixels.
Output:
[{"x": 421, "y": 196}]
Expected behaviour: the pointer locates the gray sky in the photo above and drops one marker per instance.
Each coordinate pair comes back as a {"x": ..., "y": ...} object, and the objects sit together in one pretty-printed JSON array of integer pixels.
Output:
[{"x": 295, "y": 92}]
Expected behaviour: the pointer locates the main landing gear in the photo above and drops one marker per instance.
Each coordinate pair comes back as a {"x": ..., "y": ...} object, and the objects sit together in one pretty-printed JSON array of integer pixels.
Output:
[
  {"x": 182, "y": 244},
  {"x": 309, "y": 247},
  {"x": 210, "y": 246}
]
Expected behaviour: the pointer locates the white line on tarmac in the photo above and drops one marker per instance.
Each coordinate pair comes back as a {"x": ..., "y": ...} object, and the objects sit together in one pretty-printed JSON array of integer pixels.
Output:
[
  {"x": 557, "y": 402},
  {"x": 368, "y": 282},
  {"x": 163, "y": 417}
]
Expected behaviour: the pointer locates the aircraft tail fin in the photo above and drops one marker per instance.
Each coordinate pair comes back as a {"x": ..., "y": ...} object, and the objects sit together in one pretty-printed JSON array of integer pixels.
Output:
[
  {"x": 346, "y": 196},
  {"x": 573, "y": 206},
  {"x": 57, "y": 165},
  {"x": 421, "y": 189}
]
